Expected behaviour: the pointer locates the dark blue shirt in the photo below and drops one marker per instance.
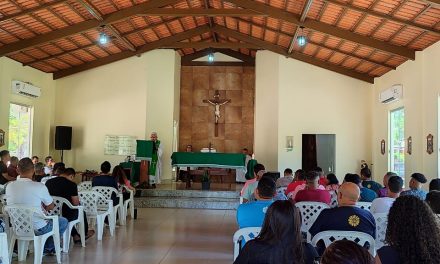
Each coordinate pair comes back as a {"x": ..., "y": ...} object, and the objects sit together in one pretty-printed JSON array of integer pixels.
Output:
[
  {"x": 106, "y": 181},
  {"x": 367, "y": 195},
  {"x": 345, "y": 218},
  {"x": 372, "y": 185},
  {"x": 388, "y": 255}
]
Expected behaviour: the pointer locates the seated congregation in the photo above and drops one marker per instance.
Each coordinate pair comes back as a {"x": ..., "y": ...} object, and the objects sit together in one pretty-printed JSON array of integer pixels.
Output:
[
  {"x": 309, "y": 217},
  {"x": 49, "y": 196}
]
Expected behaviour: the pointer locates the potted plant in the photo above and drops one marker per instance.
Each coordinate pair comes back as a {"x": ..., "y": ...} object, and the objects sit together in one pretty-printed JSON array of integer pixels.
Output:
[{"x": 206, "y": 181}]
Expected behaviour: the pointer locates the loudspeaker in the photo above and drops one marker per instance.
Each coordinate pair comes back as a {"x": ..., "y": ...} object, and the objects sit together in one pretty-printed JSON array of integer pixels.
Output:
[{"x": 63, "y": 138}]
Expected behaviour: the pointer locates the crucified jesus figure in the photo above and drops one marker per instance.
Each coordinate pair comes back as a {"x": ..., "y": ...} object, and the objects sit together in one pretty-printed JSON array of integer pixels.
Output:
[{"x": 217, "y": 103}]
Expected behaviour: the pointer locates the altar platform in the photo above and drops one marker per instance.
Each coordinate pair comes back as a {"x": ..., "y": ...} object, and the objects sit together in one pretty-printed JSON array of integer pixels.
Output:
[{"x": 174, "y": 195}]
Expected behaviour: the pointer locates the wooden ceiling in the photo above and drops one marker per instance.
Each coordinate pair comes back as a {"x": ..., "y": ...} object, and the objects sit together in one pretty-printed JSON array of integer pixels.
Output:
[{"x": 358, "y": 38}]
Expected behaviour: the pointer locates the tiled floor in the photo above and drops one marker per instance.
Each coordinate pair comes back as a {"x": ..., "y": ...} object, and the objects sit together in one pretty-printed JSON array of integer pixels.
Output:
[{"x": 165, "y": 236}]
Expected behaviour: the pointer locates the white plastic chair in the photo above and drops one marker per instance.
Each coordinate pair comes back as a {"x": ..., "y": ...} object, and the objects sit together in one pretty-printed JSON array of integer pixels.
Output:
[
  {"x": 244, "y": 234},
  {"x": 128, "y": 203},
  {"x": 85, "y": 186},
  {"x": 23, "y": 230},
  {"x": 381, "y": 228},
  {"x": 4, "y": 251},
  {"x": 117, "y": 208},
  {"x": 364, "y": 205},
  {"x": 309, "y": 212},
  {"x": 4, "y": 216},
  {"x": 93, "y": 203},
  {"x": 331, "y": 236},
  {"x": 241, "y": 199},
  {"x": 334, "y": 199},
  {"x": 79, "y": 222}
]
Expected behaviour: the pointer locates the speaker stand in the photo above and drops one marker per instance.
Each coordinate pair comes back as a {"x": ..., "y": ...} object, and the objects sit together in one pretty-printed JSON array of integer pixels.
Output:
[{"x": 62, "y": 155}]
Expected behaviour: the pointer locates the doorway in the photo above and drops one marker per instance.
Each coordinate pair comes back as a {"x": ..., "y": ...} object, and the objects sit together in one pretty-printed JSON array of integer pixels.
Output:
[{"x": 319, "y": 150}]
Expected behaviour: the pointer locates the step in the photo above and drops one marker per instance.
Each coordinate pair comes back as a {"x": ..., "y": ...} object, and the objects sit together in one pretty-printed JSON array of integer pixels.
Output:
[
  {"x": 190, "y": 194},
  {"x": 187, "y": 202}
]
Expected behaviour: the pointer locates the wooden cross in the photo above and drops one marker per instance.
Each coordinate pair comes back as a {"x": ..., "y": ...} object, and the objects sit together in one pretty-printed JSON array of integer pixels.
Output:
[{"x": 217, "y": 102}]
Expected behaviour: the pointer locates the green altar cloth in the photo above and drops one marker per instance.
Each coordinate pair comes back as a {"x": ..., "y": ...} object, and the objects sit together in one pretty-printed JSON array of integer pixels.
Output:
[{"x": 212, "y": 160}]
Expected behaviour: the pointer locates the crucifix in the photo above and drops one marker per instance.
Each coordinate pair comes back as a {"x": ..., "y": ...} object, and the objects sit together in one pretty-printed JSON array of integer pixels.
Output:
[{"x": 217, "y": 102}]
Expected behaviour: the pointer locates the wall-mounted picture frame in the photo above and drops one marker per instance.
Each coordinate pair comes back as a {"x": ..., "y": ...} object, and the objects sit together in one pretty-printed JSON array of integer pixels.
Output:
[
  {"x": 382, "y": 146},
  {"x": 409, "y": 146},
  {"x": 430, "y": 144},
  {"x": 2, "y": 138}
]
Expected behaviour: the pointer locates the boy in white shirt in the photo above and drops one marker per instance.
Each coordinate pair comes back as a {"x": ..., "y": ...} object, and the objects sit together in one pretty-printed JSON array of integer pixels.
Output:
[
  {"x": 24, "y": 191},
  {"x": 383, "y": 204}
]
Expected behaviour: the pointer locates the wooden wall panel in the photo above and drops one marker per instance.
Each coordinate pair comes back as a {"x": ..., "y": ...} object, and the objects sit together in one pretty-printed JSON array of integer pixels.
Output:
[{"x": 236, "y": 124}]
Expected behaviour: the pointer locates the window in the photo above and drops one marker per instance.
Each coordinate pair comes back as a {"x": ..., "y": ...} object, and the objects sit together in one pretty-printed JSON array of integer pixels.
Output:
[
  {"x": 20, "y": 130},
  {"x": 397, "y": 141}
]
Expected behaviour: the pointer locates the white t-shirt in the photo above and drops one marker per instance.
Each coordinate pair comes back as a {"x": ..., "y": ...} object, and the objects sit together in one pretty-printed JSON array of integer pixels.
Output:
[
  {"x": 24, "y": 191},
  {"x": 381, "y": 205}
]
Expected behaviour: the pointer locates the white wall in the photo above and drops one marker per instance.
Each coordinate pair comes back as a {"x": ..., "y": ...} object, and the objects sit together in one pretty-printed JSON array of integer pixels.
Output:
[
  {"x": 133, "y": 97},
  {"x": 421, "y": 89},
  {"x": 43, "y": 107},
  {"x": 309, "y": 100},
  {"x": 266, "y": 109}
]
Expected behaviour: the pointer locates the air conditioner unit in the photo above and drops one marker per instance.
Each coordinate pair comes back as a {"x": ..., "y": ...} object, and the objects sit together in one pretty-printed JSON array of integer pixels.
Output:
[
  {"x": 391, "y": 94},
  {"x": 25, "y": 89}
]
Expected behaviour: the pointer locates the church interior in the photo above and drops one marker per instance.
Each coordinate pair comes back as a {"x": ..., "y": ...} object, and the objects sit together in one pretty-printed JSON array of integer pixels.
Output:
[{"x": 221, "y": 115}]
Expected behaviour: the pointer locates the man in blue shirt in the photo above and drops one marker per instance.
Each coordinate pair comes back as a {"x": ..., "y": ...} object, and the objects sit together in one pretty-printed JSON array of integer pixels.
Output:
[
  {"x": 106, "y": 180},
  {"x": 345, "y": 217},
  {"x": 366, "y": 194},
  {"x": 367, "y": 182},
  {"x": 252, "y": 214},
  {"x": 415, "y": 185}
]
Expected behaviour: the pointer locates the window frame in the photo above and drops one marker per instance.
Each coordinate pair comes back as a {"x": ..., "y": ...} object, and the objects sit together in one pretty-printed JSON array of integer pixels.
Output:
[
  {"x": 31, "y": 123},
  {"x": 390, "y": 140}
]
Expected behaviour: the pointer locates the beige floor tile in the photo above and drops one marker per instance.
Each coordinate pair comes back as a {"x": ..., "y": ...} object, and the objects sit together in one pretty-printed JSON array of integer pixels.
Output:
[{"x": 161, "y": 236}]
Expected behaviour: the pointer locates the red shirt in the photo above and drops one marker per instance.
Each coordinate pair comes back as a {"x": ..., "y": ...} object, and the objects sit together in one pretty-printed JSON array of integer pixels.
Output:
[
  {"x": 323, "y": 181},
  {"x": 12, "y": 171},
  {"x": 292, "y": 186},
  {"x": 322, "y": 196}
]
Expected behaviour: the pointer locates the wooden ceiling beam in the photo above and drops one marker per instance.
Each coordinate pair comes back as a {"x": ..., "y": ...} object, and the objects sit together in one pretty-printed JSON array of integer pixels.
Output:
[
  {"x": 32, "y": 10},
  {"x": 435, "y": 2},
  {"x": 301, "y": 57},
  {"x": 82, "y": 26},
  {"x": 95, "y": 13},
  {"x": 304, "y": 13},
  {"x": 325, "y": 28},
  {"x": 205, "y": 52},
  {"x": 323, "y": 45},
  {"x": 207, "y": 12},
  {"x": 218, "y": 63},
  {"x": 214, "y": 45},
  {"x": 384, "y": 16},
  {"x": 127, "y": 54}
]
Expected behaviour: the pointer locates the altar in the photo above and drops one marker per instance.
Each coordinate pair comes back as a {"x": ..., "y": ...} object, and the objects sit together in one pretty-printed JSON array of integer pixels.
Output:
[
  {"x": 209, "y": 160},
  {"x": 220, "y": 167}
]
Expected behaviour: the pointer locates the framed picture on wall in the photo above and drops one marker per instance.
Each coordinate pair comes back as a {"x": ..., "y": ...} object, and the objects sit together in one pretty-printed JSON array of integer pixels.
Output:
[
  {"x": 2, "y": 138},
  {"x": 430, "y": 144},
  {"x": 382, "y": 146},
  {"x": 409, "y": 148}
]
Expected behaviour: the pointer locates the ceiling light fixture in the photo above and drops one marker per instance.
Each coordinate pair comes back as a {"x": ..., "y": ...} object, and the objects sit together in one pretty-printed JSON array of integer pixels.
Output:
[
  {"x": 211, "y": 57},
  {"x": 103, "y": 38},
  {"x": 301, "y": 39}
]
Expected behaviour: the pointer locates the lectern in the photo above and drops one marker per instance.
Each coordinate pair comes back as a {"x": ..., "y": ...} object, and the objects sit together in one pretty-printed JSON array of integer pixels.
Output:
[{"x": 144, "y": 152}]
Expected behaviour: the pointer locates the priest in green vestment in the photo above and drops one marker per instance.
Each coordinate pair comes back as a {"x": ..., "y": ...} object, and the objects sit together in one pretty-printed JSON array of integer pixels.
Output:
[{"x": 155, "y": 169}]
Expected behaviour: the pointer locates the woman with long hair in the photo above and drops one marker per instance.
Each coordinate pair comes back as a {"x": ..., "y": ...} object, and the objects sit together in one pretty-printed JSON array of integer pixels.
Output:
[
  {"x": 279, "y": 241},
  {"x": 346, "y": 252},
  {"x": 413, "y": 236},
  {"x": 332, "y": 182},
  {"x": 120, "y": 177}
]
